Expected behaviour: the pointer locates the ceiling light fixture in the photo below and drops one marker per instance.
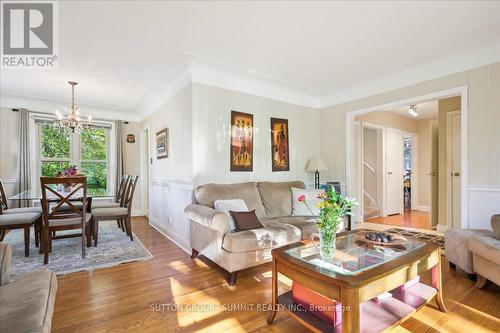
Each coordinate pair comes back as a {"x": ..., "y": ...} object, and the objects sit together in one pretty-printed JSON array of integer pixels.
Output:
[
  {"x": 71, "y": 121},
  {"x": 413, "y": 110}
]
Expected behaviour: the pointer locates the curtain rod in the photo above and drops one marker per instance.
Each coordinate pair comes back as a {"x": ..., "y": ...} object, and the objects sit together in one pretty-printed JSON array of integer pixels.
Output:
[{"x": 46, "y": 113}]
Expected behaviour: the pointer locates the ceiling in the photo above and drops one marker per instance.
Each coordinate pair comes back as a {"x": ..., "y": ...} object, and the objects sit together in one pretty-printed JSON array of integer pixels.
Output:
[
  {"x": 121, "y": 52},
  {"x": 426, "y": 110}
]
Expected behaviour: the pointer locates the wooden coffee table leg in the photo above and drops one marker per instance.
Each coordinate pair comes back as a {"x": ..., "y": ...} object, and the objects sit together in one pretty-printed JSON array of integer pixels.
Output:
[
  {"x": 437, "y": 282},
  {"x": 350, "y": 310},
  {"x": 274, "y": 304}
]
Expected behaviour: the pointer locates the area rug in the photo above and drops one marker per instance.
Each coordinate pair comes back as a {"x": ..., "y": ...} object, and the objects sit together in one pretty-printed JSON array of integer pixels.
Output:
[
  {"x": 438, "y": 239},
  {"x": 114, "y": 248}
]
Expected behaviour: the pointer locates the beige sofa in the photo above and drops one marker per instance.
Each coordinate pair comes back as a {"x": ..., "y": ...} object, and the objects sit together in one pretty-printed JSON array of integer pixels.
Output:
[
  {"x": 476, "y": 252},
  {"x": 27, "y": 304},
  {"x": 234, "y": 251}
]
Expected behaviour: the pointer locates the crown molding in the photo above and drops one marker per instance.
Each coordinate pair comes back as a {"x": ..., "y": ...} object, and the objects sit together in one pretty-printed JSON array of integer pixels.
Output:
[
  {"x": 212, "y": 73},
  {"x": 479, "y": 52},
  {"x": 49, "y": 107},
  {"x": 161, "y": 94}
]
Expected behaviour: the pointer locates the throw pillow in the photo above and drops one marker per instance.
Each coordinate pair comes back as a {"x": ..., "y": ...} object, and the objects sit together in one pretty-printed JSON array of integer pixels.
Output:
[
  {"x": 246, "y": 220},
  {"x": 495, "y": 225},
  {"x": 236, "y": 205},
  {"x": 299, "y": 208}
]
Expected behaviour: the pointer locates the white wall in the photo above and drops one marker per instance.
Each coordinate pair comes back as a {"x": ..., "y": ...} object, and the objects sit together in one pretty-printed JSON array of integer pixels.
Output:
[
  {"x": 171, "y": 178},
  {"x": 198, "y": 119},
  {"x": 484, "y": 120},
  {"x": 131, "y": 161},
  {"x": 211, "y": 136}
]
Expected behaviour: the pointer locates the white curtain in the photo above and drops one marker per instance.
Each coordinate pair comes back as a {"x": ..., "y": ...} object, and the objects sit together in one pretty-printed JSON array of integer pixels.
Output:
[
  {"x": 24, "y": 176},
  {"x": 119, "y": 153}
]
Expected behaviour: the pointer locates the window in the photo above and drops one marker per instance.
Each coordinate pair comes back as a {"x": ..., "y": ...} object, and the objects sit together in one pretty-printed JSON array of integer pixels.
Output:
[{"x": 88, "y": 151}]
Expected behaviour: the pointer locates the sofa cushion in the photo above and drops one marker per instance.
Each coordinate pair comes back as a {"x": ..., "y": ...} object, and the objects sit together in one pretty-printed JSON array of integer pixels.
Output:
[
  {"x": 495, "y": 225},
  {"x": 235, "y": 205},
  {"x": 457, "y": 248},
  {"x": 28, "y": 303},
  {"x": 207, "y": 194},
  {"x": 274, "y": 234},
  {"x": 308, "y": 206},
  {"x": 277, "y": 197},
  {"x": 5, "y": 262},
  {"x": 486, "y": 245},
  {"x": 245, "y": 220},
  {"x": 306, "y": 224}
]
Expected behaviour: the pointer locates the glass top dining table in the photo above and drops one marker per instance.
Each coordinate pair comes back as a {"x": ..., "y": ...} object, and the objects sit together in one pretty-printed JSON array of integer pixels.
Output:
[{"x": 36, "y": 194}]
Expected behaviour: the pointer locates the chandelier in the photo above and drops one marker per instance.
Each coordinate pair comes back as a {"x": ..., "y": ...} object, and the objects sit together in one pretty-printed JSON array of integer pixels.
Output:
[{"x": 71, "y": 121}]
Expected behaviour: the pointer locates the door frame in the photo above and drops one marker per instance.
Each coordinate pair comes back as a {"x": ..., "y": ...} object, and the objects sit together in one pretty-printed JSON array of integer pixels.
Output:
[
  {"x": 414, "y": 169},
  {"x": 146, "y": 154},
  {"x": 382, "y": 203},
  {"x": 449, "y": 200},
  {"x": 461, "y": 91}
]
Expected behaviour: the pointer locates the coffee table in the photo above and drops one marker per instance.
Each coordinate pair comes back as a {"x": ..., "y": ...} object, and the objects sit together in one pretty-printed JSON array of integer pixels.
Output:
[{"x": 355, "y": 277}]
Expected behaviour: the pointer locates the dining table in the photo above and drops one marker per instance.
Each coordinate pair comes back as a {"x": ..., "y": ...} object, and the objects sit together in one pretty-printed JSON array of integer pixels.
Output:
[{"x": 35, "y": 194}]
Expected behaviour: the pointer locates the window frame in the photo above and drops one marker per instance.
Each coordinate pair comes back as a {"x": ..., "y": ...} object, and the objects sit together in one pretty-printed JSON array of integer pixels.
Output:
[{"x": 75, "y": 157}]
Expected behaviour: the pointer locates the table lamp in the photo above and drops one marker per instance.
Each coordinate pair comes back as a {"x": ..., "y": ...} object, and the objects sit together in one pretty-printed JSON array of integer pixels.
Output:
[{"x": 316, "y": 165}]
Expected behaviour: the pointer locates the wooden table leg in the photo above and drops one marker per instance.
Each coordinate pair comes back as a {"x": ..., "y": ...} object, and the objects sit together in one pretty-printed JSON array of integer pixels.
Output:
[
  {"x": 351, "y": 312},
  {"x": 437, "y": 282},
  {"x": 274, "y": 304}
]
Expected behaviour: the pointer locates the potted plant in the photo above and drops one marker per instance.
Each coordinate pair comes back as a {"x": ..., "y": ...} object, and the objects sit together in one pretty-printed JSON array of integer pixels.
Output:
[
  {"x": 71, "y": 171},
  {"x": 333, "y": 208}
]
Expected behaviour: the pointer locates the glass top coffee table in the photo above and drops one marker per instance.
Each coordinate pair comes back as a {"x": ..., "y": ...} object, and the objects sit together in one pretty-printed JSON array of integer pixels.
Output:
[{"x": 359, "y": 272}]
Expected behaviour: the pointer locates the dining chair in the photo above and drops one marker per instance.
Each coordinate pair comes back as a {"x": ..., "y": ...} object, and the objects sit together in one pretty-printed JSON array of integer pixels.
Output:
[
  {"x": 120, "y": 192},
  {"x": 122, "y": 213},
  {"x": 18, "y": 221},
  {"x": 55, "y": 219},
  {"x": 6, "y": 210}
]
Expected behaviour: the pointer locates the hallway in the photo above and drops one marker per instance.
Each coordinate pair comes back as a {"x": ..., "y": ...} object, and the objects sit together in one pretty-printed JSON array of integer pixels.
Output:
[{"x": 412, "y": 219}]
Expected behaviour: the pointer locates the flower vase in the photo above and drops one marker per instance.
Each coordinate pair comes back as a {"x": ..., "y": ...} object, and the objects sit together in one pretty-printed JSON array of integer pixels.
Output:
[{"x": 327, "y": 243}]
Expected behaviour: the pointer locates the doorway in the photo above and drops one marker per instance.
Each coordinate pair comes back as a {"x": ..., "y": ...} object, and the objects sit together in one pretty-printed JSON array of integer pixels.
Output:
[
  {"x": 428, "y": 173},
  {"x": 145, "y": 171}
]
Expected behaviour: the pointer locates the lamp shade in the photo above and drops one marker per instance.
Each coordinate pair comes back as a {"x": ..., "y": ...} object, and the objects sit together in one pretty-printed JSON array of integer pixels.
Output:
[{"x": 316, "y": 164}]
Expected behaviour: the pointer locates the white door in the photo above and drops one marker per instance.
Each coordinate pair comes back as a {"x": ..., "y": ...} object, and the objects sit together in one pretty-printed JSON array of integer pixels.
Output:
[
  {"x": 394, "y": 173},
  {"x": 455, "y": 169},
  {"x": 433, "y": 174}
]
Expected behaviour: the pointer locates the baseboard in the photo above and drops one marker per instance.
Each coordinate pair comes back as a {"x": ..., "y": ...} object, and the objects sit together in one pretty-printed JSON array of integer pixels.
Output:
[
  {"x": 441, "y": 228},
  {"x": 136, "y": 212},
  {"x": 423, "y": 208},
  {"x": 159, "y": 229}
]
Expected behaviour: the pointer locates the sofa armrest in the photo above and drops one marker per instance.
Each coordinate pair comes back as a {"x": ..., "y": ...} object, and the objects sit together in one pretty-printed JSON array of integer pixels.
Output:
[
  {"x": 5, "y": 261},
  {"x": 209, "y": 217}
]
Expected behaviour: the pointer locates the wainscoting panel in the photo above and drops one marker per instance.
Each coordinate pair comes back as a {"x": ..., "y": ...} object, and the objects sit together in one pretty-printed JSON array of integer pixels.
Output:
[
  {"x": 168, "y": 200},
  {"x": 484, "y": 201}
]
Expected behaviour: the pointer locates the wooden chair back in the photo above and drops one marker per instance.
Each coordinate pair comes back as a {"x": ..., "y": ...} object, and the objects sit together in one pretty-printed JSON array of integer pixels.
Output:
[
  {"x": 129, "y": 193},
  {"x": 120, "y": 191},
  {"x": 50, "y": 196},
  {"x": 3, "y": 198}
]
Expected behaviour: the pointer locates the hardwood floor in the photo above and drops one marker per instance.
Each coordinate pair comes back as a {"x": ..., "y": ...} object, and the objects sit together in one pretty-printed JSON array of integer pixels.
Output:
[
  {"x": 411, "y": 219},
  {"x": 139, "y": 297}
]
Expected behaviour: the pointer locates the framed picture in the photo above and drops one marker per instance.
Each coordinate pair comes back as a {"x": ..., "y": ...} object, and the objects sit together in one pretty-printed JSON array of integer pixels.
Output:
[
  {"x": 162, "y": 144},
  {"x": 241, "y": 158},
  {"x": 280, "y": 145}
]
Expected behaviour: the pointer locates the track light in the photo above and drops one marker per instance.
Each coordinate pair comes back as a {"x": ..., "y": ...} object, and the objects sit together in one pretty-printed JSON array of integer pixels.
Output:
[{"x": 413, "y": 110}]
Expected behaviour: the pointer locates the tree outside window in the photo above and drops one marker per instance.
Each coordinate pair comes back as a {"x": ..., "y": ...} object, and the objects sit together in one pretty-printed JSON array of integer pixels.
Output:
[{"x": 88, "y": 151}]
